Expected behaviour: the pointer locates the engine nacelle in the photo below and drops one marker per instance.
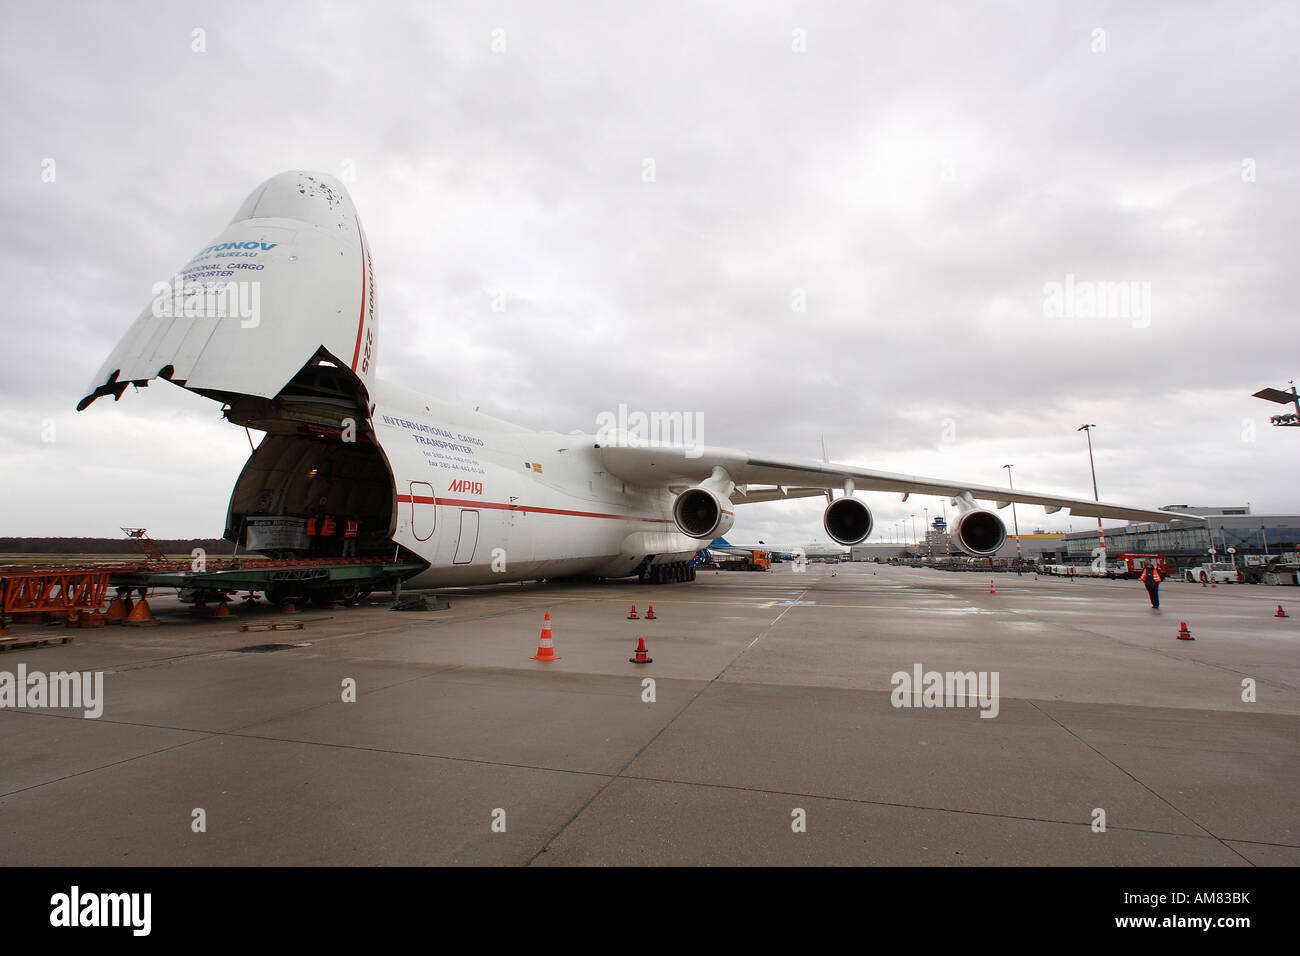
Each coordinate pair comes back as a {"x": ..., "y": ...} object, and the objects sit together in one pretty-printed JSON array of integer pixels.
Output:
[
  {"x": 847, "y": 521},
  {"x": 979, "y": 532},
  {"x": 701, "y": 513}
]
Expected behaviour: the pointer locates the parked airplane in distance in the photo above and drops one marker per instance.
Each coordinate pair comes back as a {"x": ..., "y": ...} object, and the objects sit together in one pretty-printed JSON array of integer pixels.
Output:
[
  {"x": 813, "y": 549},
  {"x": 277, "y": 319}
]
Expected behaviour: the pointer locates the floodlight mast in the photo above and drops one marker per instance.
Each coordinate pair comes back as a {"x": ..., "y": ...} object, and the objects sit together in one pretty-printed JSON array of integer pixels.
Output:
[
  {"x": 1101, "y": 532},
  {"x": 1288, "y": 419},
  {"x": 1016, "y": 521}
]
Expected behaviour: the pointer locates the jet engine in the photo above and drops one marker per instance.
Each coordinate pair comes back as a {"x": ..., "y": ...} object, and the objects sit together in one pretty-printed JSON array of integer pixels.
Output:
[
  {"x": 979, "y": 532},
  {"x": 702, "y": 513},
  {"x": 847, "y": 521}
]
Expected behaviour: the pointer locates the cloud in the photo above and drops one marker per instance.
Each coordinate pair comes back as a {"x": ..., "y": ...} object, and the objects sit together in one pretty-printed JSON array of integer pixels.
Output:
[{"x": 851, "y": 242}]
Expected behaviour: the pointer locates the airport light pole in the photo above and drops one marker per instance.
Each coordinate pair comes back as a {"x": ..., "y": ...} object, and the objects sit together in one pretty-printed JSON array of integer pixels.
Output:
[
  {"x": 1015, "y": 523},
  {"x": 929, "y": 550},
  {"x": 1101, "y": 532},
  {"x": 1288, "y": 419},
  {"x": 947, "y": 539}
]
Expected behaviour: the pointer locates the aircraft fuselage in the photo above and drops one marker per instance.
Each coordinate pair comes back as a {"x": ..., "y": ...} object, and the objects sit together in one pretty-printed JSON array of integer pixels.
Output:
[{"x": 484, "y": 501}]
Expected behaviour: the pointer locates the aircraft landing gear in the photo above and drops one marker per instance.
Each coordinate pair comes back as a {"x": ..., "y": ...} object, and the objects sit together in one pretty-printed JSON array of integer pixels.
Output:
[{"x": 666, "y": 573}]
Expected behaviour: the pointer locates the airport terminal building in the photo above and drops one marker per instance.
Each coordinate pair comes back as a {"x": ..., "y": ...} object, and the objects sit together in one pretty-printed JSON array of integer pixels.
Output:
[
  {"x": 1185, "y": 543},
  {"x": 1038, "y": 547}
]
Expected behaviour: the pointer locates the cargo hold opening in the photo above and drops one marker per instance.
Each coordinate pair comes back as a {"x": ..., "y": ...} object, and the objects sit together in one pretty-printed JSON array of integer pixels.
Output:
[{"x": 290, "y": 479}]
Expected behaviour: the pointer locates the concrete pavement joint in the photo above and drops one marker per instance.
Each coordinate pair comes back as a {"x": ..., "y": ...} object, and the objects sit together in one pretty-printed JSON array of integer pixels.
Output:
[
  {"x": 1169, "y": 655},
  {"x": 672, "y": 720},
  {"x": 954, "y": 810},
  {"x": 204, "y": 734},
  {"x": 1194, "y": 822}
]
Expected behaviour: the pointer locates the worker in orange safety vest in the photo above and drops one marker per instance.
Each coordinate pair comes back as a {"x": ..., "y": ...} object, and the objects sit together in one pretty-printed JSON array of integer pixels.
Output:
[
  {"x": 1151, "y": 578},
  {"x": 327, "y": 534},
  {"x": 350, "y": 528}
]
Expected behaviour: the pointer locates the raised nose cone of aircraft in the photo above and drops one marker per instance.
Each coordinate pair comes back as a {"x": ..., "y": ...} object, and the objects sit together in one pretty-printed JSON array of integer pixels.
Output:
[
  {"x": 288, "y": 282},
  {"x": 316, "y": 198}
]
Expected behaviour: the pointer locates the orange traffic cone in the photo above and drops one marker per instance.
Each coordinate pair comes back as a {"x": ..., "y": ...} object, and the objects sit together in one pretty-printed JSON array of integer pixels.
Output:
[
  {"x": 119, "y": 609},
  {"x": 640, "y": 656},
  {"x": 546, "y": 647},
  {"x": 1214, "y": 584},
  {"x": 633, "y": 616},
  {"x": 140, "y": 616},
  {"x": 1280, "y": 612},
  {"x": 1203, "y": 583},
  {"x": 650, "y": 614},
  {"x": 1183, "y": 633},
  {"x": 992, "y": 589},
  {"x": 222, "y": 610},
  {"x": 288, "y": 607}
]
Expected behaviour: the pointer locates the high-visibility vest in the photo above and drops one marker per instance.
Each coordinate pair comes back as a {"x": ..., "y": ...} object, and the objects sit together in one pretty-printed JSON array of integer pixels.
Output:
[
  {"x": 1154, "y": 572},
  {"x": 327, "y": 527},
  {"x": 350, "y": 530},
  {"x": 311, "y": 527}
]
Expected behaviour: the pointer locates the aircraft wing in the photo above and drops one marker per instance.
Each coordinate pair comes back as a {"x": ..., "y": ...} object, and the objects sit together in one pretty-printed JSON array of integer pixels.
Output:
[
  {"x": 671, "y": 465},
  {"x": 751, "y": 495}
]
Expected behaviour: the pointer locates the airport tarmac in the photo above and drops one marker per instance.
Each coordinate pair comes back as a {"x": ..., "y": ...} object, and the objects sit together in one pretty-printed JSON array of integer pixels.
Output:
[{"x": 773, "y": 707}]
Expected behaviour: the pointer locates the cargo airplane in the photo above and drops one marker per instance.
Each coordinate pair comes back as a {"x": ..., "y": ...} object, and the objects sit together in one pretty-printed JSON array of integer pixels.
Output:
[
  {"x": 810, "y": 550},
  {"x": 276, "y": 319}
]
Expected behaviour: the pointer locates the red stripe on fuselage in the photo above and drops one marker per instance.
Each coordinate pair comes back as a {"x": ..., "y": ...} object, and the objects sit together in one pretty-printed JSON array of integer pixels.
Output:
[
  {"x": 361, "y": 319},
  {"x": 502, "y": 506}
]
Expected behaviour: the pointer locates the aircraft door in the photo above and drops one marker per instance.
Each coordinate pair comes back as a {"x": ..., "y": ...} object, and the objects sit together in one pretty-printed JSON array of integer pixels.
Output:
[
  {"x": 424, "y": 513},
  {"x": 468, "y": 537}
]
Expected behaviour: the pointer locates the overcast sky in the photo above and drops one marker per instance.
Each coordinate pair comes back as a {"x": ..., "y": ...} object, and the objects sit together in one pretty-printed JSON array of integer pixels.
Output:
[{"x": 854, "y": 219}]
